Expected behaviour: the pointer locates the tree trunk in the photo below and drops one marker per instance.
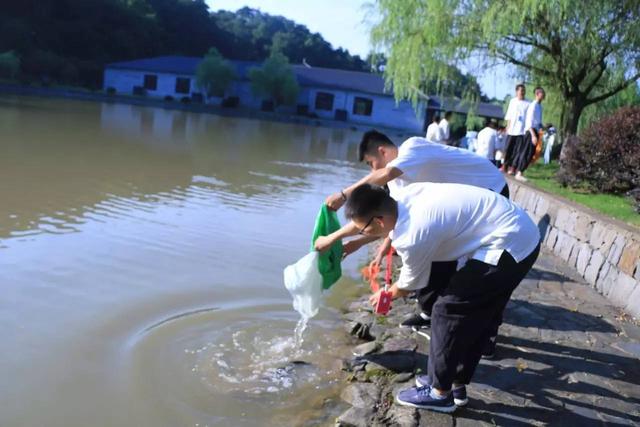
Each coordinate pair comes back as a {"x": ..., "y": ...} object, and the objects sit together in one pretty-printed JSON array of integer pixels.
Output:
[{"x": 570, "y": 117}]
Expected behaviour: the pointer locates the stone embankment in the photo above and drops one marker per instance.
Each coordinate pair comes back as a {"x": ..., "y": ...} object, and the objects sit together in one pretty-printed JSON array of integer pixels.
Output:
[{"x": 603, "y": 251}]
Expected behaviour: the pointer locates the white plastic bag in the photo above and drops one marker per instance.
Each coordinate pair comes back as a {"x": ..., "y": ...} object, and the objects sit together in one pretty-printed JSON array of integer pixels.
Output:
[{"x": 304, "y": 283}]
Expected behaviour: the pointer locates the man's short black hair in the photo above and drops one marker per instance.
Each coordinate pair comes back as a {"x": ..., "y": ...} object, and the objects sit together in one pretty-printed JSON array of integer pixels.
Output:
[
  {"x": 447, "y": 115},
  {"x": 371, "y": 140},
  {"x": 436, "y": 118},
  {"x": 538, "y": 89},
  {"x": 367, "y": 201},
  {"x": 520, "y": 85}
]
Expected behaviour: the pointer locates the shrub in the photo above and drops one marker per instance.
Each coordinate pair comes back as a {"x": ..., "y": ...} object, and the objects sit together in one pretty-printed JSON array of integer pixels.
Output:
[
  {"x": 606, "y": 156},
  {"x": 111, "y": 90},
  {"x": 185, "y": 100},
  {"x": 275, "y": 79},
  {"x": 168, "y": 98},
  {"x": 231, "y": 102},
  {"x": 214, "y": 74},
  {"x": 139, "y": 91},
  {"x": 9, "y": 64}
]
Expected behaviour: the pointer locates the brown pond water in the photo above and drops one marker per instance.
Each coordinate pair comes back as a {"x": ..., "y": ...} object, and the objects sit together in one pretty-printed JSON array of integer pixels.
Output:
[{"x": 141, "y": 258}]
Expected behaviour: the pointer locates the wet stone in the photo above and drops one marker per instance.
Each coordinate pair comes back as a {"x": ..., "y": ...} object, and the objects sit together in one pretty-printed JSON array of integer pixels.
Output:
[
  {"x": 366, "y": 348},
  {"x": 361, "y": 395},
  {"x": 434, "y": 419},
  {"x": 355, "y": 417},
  {"x": 402, "y": 416},
  {"x": 396, "y": 361},
  {"x": 400, "y": 343},
  {"x": 402, "y": 377},
  {"x": 359, "y": 317}
]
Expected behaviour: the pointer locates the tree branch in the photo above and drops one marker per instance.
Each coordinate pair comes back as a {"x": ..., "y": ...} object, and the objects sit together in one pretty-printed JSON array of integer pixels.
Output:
[
  {"x": 613, "y": 91},
  {"x": 515, "y": 61},
  {"x": 528, "y": 42}
]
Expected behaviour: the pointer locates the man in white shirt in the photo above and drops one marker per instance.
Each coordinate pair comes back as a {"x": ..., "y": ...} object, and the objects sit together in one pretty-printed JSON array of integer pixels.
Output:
[
  {"x": 416, "y": 160},
  {"x": 427, "y": 224},
  {"x": 487, "y": 141},
  {"x": 434, "y": 132},
  {"x": 532, "y": 123},
  {"x": 445, "y": 128},
  {"x": 515, "y": 117}
]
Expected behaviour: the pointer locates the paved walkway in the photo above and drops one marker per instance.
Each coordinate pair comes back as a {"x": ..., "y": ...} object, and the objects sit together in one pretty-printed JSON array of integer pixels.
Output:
[{"x": 565, "y": 357}]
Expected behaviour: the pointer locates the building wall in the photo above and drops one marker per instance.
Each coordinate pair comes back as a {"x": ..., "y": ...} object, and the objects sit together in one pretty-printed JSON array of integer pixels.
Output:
[
  {"x": 384, "y": 113},
  {"x": 125, "y": 80}
]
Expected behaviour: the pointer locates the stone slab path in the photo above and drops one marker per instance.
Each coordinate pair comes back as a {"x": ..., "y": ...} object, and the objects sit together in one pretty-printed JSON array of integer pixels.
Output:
[{"x": 565, "y": 357}]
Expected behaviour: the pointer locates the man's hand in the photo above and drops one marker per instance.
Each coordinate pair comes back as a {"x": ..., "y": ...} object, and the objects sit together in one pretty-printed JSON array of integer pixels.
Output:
[
  {"x": 323, "y": 243},
  {"x": 377, "y": 260},
  {"x": 395, "y": 293},
  {"x": 335, "y": 201},
  {"x": 373, "y": 299}
]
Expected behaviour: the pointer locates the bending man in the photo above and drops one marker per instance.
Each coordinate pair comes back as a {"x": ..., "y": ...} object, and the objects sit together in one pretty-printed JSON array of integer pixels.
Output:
[{"x": 427, "y": 224}]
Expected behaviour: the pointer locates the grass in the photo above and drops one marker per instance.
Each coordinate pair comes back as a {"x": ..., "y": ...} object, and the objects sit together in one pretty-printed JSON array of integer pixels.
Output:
[{"x": 619, "y": 207}]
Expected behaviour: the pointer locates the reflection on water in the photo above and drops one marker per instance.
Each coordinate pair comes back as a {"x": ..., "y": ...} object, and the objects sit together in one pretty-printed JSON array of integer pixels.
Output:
[{"x": 121, "y": 228}]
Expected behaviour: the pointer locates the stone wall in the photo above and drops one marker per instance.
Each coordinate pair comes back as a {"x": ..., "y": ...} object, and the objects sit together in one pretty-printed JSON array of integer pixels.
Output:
[{"x": 604, "y": 251}]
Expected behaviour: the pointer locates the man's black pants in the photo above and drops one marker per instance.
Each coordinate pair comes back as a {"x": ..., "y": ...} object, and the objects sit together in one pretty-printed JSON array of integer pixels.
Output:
[
  {"x": 464, "y": 313},
  {"x": 513, "y": 144}
]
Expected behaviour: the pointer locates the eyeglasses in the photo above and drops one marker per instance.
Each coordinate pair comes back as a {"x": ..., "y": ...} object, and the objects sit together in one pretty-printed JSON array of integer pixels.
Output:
[{"x": 361, "y": 231}]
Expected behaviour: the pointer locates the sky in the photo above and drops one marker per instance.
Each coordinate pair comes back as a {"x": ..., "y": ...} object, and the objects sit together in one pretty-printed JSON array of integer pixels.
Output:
[{"x": 346, "y": 23}]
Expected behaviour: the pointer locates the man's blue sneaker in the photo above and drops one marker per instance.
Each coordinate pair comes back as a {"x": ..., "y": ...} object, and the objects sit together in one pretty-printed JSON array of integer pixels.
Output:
[
  {"x": 459, "y": 394},
  {"x": 420, "y": 397}
]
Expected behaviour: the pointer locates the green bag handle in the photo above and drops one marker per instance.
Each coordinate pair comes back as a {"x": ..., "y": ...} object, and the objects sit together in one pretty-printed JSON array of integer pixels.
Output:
[{"x": 329, "y": 262}]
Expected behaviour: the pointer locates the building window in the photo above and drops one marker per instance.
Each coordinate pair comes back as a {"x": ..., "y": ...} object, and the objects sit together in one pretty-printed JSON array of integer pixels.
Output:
[
  {"x": 183, "y": 85},
  {"x": 362, "y": 106},
  {"x": 324, "y": 101},
  {"x": 150, "y": 81}
]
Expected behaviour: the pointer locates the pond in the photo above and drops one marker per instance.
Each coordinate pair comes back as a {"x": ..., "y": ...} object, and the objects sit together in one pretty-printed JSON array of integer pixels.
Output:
[{"x": 141, "y": 259}]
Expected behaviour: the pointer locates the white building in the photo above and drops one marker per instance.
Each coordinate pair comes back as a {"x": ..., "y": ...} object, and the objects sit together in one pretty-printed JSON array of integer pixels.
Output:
[{"x": 351, "y": 96}]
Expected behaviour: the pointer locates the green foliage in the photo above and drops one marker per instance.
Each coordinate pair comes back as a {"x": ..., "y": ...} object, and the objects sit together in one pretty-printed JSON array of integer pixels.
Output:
[
  {"x": 584, "y": 53},
  {"x": 616, "y": 206},
  {"x": 9, "y": 64},
  {"x": 214, "y": 74},
  {"x": 87, "y": 34},
  {"x": 275, "y": 79}
]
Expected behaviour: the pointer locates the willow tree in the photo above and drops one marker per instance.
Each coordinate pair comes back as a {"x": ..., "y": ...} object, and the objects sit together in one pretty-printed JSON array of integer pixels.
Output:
[
  {"x": 275, "y": 79},
  {"x": 214, "y": 74},
  {"x": 585, "y": 51}
]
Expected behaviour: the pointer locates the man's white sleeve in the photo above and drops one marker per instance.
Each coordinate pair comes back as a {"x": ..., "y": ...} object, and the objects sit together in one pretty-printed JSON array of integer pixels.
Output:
[
  {"x": 416, "y": 265},
  {"x": 528, "y": 121}
]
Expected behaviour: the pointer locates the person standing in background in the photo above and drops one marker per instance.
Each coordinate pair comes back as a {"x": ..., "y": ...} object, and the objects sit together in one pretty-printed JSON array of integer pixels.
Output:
[
  {"x": 501, "y": 141},
  {"x": 434, "y": 132},
  {"x": 486, "y": 141},
  {"x": 515, "y": 117},
  {"x": 532, "y": 125},
  {"x": 549, "y": 137},
  {"x": 445, "y": 128}
]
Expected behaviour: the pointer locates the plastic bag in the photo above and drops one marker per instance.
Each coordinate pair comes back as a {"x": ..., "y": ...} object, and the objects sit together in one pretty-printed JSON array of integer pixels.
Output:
[
  {"x": 329, "y": 262},
  {"x": 304, "y": 282}
]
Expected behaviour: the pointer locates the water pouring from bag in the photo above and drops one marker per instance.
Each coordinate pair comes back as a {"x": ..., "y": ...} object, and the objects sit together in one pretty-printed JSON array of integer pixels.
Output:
[{"x": 304, "y": 282}]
